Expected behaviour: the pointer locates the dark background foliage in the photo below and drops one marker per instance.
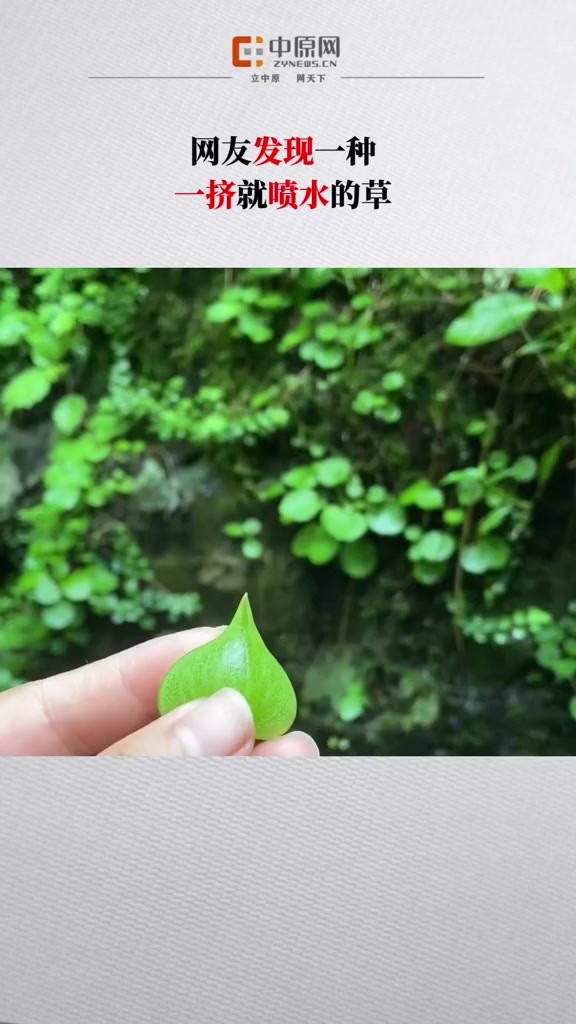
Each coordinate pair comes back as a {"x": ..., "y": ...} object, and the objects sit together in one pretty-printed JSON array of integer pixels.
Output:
[{"x": 384, "y": 459}]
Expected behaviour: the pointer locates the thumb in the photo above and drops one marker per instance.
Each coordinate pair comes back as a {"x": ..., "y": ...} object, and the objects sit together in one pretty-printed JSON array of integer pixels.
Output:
[{"x": 217, "y": 726}]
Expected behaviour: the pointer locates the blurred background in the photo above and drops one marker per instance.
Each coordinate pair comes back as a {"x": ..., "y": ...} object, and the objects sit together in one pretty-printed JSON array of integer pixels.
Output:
[{"x": 383, "y": 459}]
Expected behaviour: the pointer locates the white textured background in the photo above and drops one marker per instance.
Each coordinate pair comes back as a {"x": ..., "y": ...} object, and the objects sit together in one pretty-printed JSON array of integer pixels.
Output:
[
  {"x": 386, "y": 891},
  {"x": 482, "y": 172}
]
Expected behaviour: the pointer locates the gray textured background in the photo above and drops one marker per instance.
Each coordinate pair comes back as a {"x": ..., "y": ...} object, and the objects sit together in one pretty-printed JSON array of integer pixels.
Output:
[
  {"x": 482, "y": 172},
  {"x": 390, "y": 891}
]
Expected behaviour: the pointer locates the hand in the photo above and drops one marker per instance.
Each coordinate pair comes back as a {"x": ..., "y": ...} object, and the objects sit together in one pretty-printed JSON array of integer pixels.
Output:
[{"x": 109, "y": 708}]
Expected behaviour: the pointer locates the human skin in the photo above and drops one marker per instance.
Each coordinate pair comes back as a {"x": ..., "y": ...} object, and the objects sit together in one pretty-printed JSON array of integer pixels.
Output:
[{"x": 108, "y": 708}]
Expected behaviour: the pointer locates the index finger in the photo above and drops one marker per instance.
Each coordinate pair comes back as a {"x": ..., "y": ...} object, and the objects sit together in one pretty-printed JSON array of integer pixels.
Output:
[{"x": 83, "y": 711}]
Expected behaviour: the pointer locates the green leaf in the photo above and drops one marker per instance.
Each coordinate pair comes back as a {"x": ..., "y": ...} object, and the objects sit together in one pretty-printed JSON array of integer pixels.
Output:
[
  {"x": 467, "y": 475},
  {"x": 326, "y": 356},
  {"x": 569, "y": 645},
  {"x": 327, "y": 332},
  {"x": 13, "y": 328},
  {"x": 376, "y": 494},
  {"x": 268, "y": 491},
  {"x": 300, "y": 506},
  {"x": 498, "y": 460},
  {"x": 486, "y": 554},
  {"x": 469, "y": 492},
  {"x": 252, "y": 548},
  {"x": 548, "y": 279},
  {"x": 300, "y": 478},
  {"x": 103, "y": 580},
  {"x": 316, "y": 308},
  {"x": 65, "y": 496},
  {"x": 548, "y": 655},
  {"x": 78, "y": 586},
  {"x": 565, "y": 668},
  {"x": 317, "y": 450},
  {"x": 359, "y": 559},
  {"x": 46, "y": 591},
  {"x": 28, "y": 388},
  {"x": 294, "y": 338},
  {"x": 362, "y": 301},
  {"x": 429, "y": 573},
  {"x": 251, "y": 527},
  {"x": 434, "y": 546},
  {"x": 69, "y": 412},
  {"x": 424, "y": 495},
  {"x": 524, "y": 469},
  {"x": 333, "y": 471},
  {"x": 548, "y": 462},
  {"x": 413, "y": 533},
  {"x": 255, "y": 328},
  {"x": 212, "y": 395},
  {"x": 359, "y": 337},
  {"x": 222, "y": 312},
  {"x": 493, "y": 519},
  {"x": 315, "y": 278},
  {"x": 351, "y": 705},
  {"x": 354, "y": 487},
  {"x": 343, "y": 523},
  {"x": 329, "y": 356},
  {"x": 453, "y": 516},
  {"x": 367, "y": 401},
  {"x": 490, "y": 319},
  {"x": 21, "y": 632},
  {"x": 313, "y": 543},
  {"x": 475, "y": 428},
  {"x": 390, "y": 413},
  {"x": 59, "y": 616},
  {"x": 425, "y": 710},
  {"x": 537, "y": 618},
  {"x": 239, "y": 659},
  {"x": 62, "y": 323},
  {"x": 389, "y": 521},
  {"x": 241, "y": 294},
  {"x": 234, "y": 529},
  {"x": 393, "y": 381}
]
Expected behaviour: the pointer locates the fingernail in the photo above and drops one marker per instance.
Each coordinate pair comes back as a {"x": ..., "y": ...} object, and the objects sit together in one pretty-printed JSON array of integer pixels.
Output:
[
  {"x": 307, "y": 741},
  {"x": 217, "y": 726},
  {"x": 203, "y": 633}
]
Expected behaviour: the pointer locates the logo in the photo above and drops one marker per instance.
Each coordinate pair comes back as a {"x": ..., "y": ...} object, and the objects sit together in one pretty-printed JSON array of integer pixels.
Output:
[
  {"x": 296, "y": 52},
  {"x": 247, "y": 52}
]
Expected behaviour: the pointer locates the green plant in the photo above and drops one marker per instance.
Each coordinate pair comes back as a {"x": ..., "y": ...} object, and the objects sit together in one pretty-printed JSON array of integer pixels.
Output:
[
  {"x": 248, "y": 531},
  {"x": 397, "y": 450},
  {"x": 72, "y": 563},
  {"x": 238, "y": 658}
]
